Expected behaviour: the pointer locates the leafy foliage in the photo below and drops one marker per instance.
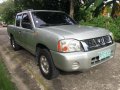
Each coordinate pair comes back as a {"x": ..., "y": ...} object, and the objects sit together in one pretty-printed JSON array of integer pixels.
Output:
[
  {"x": 80, "y": 9},
  {"x": 82, "y": 14},
  {"x": 8, "y": 12}
]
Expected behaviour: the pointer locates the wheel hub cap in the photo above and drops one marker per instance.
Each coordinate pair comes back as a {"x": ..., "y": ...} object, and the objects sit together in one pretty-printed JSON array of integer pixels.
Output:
[{"x": 44, "y": 64}]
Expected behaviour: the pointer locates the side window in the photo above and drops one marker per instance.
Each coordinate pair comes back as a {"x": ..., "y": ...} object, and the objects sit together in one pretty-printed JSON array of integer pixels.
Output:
[
  {"x": 18, "y": 18},
  {"x": 26, "y": 22}
]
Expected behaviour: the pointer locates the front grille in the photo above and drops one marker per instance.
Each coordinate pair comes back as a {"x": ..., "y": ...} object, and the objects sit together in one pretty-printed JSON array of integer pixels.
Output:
[{"x": 96, "y": 43}]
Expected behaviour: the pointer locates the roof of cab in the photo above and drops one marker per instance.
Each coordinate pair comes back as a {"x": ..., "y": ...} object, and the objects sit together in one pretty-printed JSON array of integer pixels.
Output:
[{"x": 31, "y": 10}]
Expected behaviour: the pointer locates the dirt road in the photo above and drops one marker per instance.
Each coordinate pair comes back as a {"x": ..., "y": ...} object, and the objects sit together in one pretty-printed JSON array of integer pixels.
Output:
[{"x": 103, "y": 77}]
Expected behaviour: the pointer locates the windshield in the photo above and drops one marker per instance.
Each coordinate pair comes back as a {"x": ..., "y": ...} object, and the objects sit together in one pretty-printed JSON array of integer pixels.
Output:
[{"x": 51, "y": 19}]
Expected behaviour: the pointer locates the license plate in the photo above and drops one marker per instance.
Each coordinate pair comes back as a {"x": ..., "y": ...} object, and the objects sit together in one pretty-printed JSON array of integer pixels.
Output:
[{"x": 104, "y": 54}]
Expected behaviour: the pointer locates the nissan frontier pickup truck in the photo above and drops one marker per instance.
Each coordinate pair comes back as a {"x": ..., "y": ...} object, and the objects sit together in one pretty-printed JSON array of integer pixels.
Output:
[{"x": 59, "y": 43}]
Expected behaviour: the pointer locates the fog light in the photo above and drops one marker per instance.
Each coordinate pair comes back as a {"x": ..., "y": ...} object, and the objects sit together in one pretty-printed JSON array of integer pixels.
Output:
[{"x": 75, "y": 65}]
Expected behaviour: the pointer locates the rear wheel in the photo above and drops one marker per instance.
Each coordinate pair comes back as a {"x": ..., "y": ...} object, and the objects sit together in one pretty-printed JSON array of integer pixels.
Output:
[
  {"x": 14, "y": 45},
  {"x": 46, "y": 65}
]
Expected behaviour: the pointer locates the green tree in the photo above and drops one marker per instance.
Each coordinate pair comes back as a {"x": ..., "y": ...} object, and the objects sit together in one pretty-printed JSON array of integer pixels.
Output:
[
  {"x": 78, "y": 9},
  {"x": 8, "y": 11}
]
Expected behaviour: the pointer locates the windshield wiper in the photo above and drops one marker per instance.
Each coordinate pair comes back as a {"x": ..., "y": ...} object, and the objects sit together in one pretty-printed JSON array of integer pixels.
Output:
[
  {"x": 44, "y": 25},
  {"x": 65, "y": 24}
]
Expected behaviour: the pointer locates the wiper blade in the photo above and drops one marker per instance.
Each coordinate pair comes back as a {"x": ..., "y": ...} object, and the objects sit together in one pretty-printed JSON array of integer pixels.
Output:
[
  {"x": 64, "y": 24},
  {"x": 44, "y": 25}
]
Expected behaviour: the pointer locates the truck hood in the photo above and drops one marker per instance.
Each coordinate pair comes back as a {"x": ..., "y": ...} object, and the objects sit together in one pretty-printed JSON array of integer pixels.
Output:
[{"x": 78, "y": 32}]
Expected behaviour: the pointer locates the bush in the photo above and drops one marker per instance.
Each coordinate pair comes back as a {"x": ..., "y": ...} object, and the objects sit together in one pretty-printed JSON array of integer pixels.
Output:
[
  {"x": 81, "y": 13},
  {"x": 112, "y": 25}
]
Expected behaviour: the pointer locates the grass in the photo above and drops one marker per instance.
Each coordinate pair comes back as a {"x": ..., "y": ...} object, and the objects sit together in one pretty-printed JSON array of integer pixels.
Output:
[{"x": 5, "y": 79}]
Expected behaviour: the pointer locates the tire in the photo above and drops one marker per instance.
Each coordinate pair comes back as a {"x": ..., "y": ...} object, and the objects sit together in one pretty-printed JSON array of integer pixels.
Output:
[
  {"x": 14, "y": 45},
  {"x": 45, "y": 61}
]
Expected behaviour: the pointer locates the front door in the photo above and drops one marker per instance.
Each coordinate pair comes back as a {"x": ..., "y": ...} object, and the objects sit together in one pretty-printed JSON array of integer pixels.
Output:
[{"x": 28, "y": 33}]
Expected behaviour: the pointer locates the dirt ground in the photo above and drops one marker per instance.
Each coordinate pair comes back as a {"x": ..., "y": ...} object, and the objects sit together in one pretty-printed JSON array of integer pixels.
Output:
[{"x": 26, "y": 74}]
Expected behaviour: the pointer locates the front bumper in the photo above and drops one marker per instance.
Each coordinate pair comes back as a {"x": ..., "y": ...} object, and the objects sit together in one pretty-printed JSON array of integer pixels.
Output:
[{"x": 79, "y": 61}]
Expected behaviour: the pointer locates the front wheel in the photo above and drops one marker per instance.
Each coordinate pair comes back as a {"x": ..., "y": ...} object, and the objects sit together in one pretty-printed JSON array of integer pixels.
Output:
[{"x": 46, "y": 65}]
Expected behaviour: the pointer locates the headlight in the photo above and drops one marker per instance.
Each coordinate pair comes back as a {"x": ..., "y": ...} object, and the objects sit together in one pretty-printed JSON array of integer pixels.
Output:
[{"x": 69, "y": 45}]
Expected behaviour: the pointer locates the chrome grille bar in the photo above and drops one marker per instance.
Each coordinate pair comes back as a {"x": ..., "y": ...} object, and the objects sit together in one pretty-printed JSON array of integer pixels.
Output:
[{"x": 96, "y": 43}]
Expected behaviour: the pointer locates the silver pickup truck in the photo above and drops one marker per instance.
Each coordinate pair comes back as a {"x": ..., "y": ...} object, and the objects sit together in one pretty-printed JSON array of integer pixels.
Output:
[{"x": 59, "y": 43}]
